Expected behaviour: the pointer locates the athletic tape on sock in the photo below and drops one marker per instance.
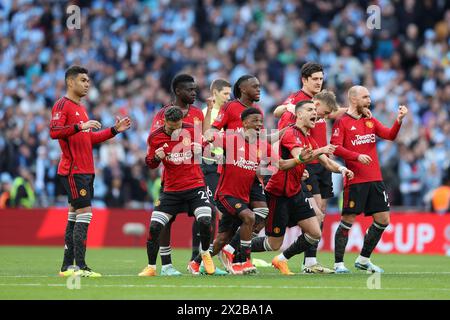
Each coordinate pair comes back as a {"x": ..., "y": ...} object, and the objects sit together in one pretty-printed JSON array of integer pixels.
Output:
[
  {"x": 202, "y": 212},
  {"x": 165, "y": 251},
  {"x": 161, "y": 217},
  {"x": 262, "y": 212},
  {"x": 246, "y": 243},
  {"x": 266, "y": 244},
  {"x": 72, "y": 216},
  {"x": 84, "y": 217},
  {"x": 345, "y": 225},
  {"x": 379, "y": 226},
  {"x": 311, "y": 240}
]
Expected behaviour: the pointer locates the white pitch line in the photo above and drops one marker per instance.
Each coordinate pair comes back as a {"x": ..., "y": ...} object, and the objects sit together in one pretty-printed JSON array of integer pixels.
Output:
[
  {"x": 215, "y": 286},
  {"x": 360, "y": 273}
]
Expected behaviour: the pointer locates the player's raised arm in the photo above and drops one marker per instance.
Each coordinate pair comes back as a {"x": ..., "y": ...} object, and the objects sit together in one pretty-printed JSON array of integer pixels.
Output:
[{"x": 289, "y": 107}]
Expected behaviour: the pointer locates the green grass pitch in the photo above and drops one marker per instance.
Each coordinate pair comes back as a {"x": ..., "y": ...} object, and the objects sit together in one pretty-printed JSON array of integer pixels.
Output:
[{"x": 31, "y": 273}]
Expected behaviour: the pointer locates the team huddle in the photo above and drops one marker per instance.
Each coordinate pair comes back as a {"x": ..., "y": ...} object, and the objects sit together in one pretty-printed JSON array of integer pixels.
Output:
[{"x": 221, "y": 164}]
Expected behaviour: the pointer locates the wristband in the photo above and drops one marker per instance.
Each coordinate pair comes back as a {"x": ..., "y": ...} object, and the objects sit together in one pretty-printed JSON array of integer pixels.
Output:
[
  {"x": 300, "y": 158},
  {"x": 114, "y": 131},
  {"x": 341, "y": 168}
]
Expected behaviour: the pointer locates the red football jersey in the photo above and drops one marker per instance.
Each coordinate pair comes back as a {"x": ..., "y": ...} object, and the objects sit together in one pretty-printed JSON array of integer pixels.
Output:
[
  {"x": 287, "y": 183},
  {"x": 180, "y": 170},
  {"x": 229, "y": 116},
  {"x": 288, "y": 118},
  {"x": 353, "y": 137},
  {"x": 193, "y": 116},
  {"x": 239, "y": 170},
  {"x": 76, "y": 145}
]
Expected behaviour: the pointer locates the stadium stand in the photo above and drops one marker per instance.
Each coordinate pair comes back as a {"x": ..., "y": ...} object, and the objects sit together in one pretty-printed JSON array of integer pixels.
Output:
[{"x": 134, "y": 48}]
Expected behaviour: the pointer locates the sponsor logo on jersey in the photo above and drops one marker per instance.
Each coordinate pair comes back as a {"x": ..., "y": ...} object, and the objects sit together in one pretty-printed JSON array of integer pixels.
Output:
[
  {"x": 364, "y": 139},
  {"x": 246, "y": 164},
  {"x": 179, "y": 157},
  {"x": 57, "y": 116},
  {"x": 369, "y": 124},
  {"x": 165, "y": 145},
  {"x": 353, "y": 128},
  {"x": 76, "y": 113}
]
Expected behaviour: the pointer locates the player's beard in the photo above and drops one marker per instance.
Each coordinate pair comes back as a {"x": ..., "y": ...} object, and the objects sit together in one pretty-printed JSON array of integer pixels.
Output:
[{"x": 361, "y": 108}]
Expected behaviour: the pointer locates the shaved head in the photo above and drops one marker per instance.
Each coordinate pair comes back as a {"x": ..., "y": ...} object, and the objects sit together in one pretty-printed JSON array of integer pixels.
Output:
[
  {"x": 359, "y": 98},
  {"x": 354, "y": 91}
]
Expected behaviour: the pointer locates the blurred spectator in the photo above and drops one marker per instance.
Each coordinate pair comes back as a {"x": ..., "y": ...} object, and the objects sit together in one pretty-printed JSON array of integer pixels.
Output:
[
  {"x": 5, "y": 190},
  {"x": 441, "y": 196},
  {"x": 115, "y": 197},
  {"x": 409, "y": 172},
  {"x": 22, "y": 194}
]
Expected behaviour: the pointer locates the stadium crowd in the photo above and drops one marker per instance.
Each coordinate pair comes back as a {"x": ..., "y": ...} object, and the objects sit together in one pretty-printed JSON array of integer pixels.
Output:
[{"x": 134, "y": 48}]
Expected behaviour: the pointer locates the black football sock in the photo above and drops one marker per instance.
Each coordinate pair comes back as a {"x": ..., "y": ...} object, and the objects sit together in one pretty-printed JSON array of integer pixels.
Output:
[
  {"x": 195, "y": 240},
  {"x": 261, "y": 244},
  {"x": 340, "y": 241},
  {"x": 312, "y": 252},
  {"x": 203, "y": 216},
  {"x": 166, "y": 255},
  {"x": 157, "y": 223},
  {"x": 153, "y": 241},
  {"x": 245, "y": 250},
  {"x": 235, "y": 241},
  {"x": 302, "y": 243},
  {"x": 373, "y": 235},
  {"x": 80, "y": 231}
]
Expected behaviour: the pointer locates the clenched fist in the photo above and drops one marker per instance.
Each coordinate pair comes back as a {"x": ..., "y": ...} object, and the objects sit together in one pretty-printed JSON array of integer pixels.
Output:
[{"x": 402, "y": 111}]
